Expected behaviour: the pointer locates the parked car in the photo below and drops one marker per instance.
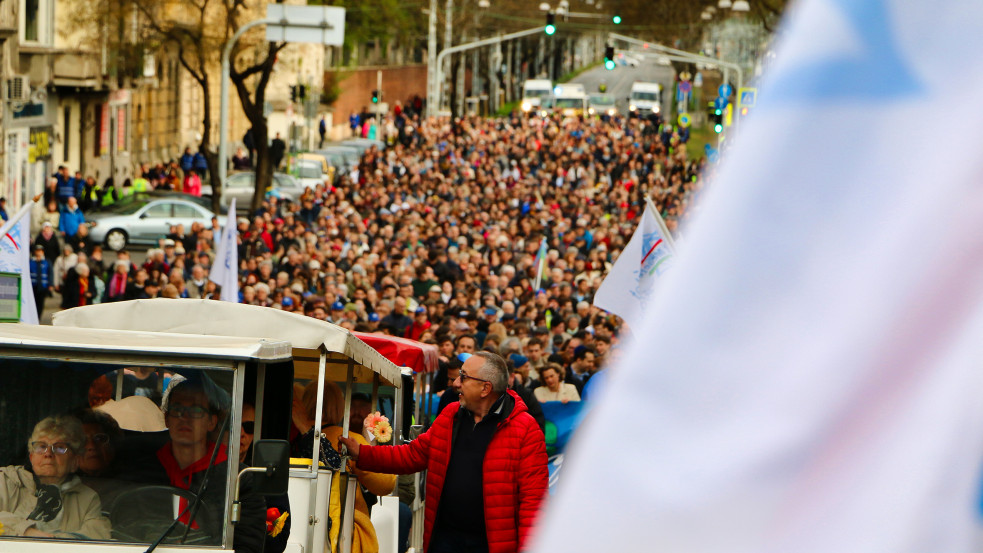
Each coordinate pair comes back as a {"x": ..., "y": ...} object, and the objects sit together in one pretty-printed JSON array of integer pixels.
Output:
[
  {"x": 144, "y": 223},
  {"x": 310, "y": 173},
  {"x": 144, "y": 197},
  {"x": 241, "y": 186},
  {"x": 351, "y": 154},
  {"x": 364, "y": 144}
]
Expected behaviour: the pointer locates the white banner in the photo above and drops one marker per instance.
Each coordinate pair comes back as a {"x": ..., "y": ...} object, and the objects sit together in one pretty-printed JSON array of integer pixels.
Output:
[
  {"x": 808, "y": 376},
  {"x": 630, "y": 283},
  {"x": 225, "y": 271},
  {"x": 15, "y": 257}
]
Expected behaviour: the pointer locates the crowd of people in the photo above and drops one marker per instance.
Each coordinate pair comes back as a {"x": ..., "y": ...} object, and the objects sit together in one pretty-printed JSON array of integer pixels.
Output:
[{"x": 433, "y": 238}]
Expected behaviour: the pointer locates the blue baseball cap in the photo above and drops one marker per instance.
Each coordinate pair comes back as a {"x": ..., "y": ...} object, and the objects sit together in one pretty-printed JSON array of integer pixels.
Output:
[
  {"x": 420, "y": 310},
  {"x": 287, "y": 301},
  {"x": 337, "y": 306},
  {"x": 373, "y": 317}
]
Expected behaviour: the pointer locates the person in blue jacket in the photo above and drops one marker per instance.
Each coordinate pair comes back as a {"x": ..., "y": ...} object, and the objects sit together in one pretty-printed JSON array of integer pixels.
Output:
[
  {"x": 41, "y": 278},
  {"x": 71, "y": 218}
]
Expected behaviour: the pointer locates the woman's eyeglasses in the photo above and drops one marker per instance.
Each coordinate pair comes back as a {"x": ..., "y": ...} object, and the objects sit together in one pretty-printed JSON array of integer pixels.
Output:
[
  {"x": 99, "y": 439},
  {"x": 190, "y": 412},
  {"x": 40, "y": 448},
  {"x": 249, "y": 427}
]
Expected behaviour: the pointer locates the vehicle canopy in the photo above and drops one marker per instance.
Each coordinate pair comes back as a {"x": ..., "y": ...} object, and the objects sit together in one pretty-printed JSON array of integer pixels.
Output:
[
  {"x": 537, "y": 88},
  {"x": 212, "y": 318}
]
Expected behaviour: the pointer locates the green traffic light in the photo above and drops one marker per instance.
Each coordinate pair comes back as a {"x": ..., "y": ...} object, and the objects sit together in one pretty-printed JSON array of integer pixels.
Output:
[
  {"x": 550, "y": 29},
  {"x": 717, "y": 112},
  {"x": 718, "y": 128},
  {"x": 616, "y": 19},
  {"x": 609, "y": 65}
]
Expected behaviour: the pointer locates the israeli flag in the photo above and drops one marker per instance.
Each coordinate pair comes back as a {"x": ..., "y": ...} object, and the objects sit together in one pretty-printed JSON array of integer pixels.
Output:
[
  {"x": 808, "y": 377},
  {"x": 225, "y": 271}
]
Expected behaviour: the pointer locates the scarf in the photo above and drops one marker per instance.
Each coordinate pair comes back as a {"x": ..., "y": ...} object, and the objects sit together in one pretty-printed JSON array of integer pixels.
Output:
[
  {"x": 181, "y": 478},
  {"x": 118, "y": 285},
  {"x": 49, "y": 502}
]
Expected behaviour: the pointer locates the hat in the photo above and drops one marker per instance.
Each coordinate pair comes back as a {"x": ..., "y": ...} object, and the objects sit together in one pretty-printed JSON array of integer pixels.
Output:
[
  {"x": 168, "y": 243},
  {"x": 420, "y": 310},
  {"x": 46, "y": 224},
  {"x": 435, "y": 288},
  {"x": 297, "y": 287},
  {"x": 518, "y": 360},
  {"x": 242, "y": 221},
  {"x": 351, "y": 307},
  {"x": 314, "y": 265},
  {"x": 287, "y": 301},
  {"x": 491, "y": 311},
  {"x": 462, "y": 357},
  {"x": 508, "y": 317},
  {"x": 337, "y": 306},
  {"x": 373, "y": 317},
  {"x": 38, "y": 247},
  {"x": 278, "y": 221}
]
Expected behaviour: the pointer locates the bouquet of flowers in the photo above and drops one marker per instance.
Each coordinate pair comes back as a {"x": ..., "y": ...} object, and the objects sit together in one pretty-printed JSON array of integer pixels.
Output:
[
  {"x": 377, "y": 429},
  {"x": 275, "y": 521}
]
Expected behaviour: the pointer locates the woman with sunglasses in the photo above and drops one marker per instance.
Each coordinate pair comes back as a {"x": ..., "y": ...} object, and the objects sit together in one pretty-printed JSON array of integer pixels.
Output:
[{"x": 45, "y": 499}]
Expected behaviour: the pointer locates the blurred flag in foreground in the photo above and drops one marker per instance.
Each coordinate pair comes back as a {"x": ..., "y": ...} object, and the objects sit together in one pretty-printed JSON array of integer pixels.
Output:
[
  {"x": 808, "y": 376},
  {"x": 540, "y": 264},
  {"x": 630, "y": 284},
  {"x": 225, "y": 271}
]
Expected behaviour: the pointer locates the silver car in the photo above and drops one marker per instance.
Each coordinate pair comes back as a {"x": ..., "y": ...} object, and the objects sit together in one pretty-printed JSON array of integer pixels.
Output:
[
  {"x": 242, "y": 185},
  {"x": 144, "y": 223}
]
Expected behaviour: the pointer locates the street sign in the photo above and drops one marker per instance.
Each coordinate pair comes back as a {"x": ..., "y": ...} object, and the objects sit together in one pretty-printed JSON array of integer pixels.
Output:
[
  {"x": 10, "y": 301},
  {"x": 746, "y": 97},
  {"x": 684, "y": 120},
  {"x": 720, "y": 102},
  {"x": 316, "y": 24},
  {"x": 725, "y": 90}
]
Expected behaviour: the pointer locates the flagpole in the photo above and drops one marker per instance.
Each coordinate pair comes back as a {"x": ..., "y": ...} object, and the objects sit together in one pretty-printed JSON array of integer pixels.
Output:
[{"x": 9, "y": 224}]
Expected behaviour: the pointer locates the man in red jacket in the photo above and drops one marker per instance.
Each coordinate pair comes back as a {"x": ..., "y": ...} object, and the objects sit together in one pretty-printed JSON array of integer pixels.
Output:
[{"x": 486, "y": 458}]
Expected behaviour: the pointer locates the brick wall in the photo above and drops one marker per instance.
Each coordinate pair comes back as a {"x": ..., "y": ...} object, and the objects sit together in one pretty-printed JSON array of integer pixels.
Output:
[{"x": 356, "y": 86}]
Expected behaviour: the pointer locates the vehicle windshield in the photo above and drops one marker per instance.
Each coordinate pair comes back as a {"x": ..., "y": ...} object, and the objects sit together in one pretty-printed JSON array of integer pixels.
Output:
[
  {"x": 116, "y": 422},
  {"x": 126, "y": 207},
  {"x": 570, "y": 103},
  {"x": 309, "y": 171},
  {"x": 602, "y": 100},
  {"x": 646, "y": 96},
  {"x": 536, "y": 93},
  {"x": 285, "y": 180}
]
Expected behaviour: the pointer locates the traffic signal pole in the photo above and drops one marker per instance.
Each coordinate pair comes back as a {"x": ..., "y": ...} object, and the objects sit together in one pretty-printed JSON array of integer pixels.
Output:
[{"x": 442, "y": 56}]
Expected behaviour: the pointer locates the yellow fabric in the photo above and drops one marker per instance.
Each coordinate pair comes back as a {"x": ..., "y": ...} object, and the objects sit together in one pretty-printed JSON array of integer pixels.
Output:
[{"x": 364, "y": 539}]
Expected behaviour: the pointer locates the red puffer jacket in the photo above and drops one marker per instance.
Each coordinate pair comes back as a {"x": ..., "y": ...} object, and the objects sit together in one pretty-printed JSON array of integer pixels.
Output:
[{"x": 514, "y": 477}]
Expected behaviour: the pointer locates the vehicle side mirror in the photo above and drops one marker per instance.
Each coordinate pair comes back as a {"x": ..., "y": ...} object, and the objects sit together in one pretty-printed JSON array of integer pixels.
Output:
[{"x": 274, "y": 457}]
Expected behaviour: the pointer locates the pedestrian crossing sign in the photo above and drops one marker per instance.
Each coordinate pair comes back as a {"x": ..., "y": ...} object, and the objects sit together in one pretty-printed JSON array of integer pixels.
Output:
[{"x": 746, "y": 97}]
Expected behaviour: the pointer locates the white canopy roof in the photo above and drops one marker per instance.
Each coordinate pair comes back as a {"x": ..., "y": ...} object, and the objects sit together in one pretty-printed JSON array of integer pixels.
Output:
[
  {"x": 218, "y": 318},
  {"x": 16, "y": 335}
]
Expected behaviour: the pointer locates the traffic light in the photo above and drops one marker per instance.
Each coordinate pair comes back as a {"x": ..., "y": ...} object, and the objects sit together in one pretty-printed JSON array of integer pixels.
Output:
[
  {"x": 375, "y": 96},
  {"x": 609, "y": 58},
  {"x": 550, "y": 23},
  {"x": 302, "y": 92},
  {"x": 293, "y": 93},
  {"x": 616, "y": 19},
  {"x": 717, "y": 118}
]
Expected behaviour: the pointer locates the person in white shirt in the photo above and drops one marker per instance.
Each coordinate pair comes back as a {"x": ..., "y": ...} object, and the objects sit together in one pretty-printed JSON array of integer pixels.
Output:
[{"x": 553, "y": 388}]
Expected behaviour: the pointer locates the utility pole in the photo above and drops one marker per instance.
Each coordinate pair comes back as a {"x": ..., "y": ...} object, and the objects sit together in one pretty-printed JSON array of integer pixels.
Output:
[
  {"x": 432, "y": 61},
  {"x": 448, "y": 42}
]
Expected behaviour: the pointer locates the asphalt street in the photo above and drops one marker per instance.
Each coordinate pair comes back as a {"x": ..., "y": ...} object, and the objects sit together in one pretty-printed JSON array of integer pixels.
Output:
[{"x": 620, "y": 79}]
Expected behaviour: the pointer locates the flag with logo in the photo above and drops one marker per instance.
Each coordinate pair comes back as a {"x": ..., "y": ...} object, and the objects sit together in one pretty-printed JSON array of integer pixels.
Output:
[
  {"x": 15, "y": 257},
  {"x": 225, "y": 271},
  {"x": 540, "y": 264},
  {"x": 808, "y": 376},
  {"x": 629, "y": 285}
]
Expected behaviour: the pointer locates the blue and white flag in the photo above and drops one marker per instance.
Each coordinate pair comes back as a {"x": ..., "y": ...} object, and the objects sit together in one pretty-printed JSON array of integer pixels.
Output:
[
  {"x": 225, "y": 271},
  {"x": 630, "y": 283},
  {"x": 15, "y": 257},
  {"x": 540, "y": 264},
  {"x": 808, "y": 376}
]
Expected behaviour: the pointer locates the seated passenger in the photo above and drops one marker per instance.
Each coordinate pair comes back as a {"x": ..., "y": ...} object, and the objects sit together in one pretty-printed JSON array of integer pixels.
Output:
[
  {"x": 554, "y": 389},
  {"x": 97, "y": 466},
  {"x": 332, "y": 415},
  {"x": 48, "y": 500},
  {"x": 193, "y": 410}
]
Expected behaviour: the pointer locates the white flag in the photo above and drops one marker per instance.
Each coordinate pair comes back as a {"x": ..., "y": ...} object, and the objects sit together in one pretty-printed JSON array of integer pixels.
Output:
[
  {"x": 808, "y": 377},
  {"x": 630, "y": 283},
  {"x": 15, "y": 257},
  {"x": 225, "y": 271}
]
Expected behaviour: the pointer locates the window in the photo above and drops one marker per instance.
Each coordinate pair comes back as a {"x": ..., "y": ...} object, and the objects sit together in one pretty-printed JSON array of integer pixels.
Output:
[
  {"x": 243, "y": 181},
  {"x": 187, "y": 211},
  {"x": 35, "y": 21},
  {"x": 158, "y": 211},
  {"x": 129, "y": 473}
]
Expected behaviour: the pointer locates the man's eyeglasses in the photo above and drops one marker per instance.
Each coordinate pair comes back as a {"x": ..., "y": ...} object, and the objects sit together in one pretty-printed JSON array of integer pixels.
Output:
[
  {"x": 40, "y": 448},
  {"x": 190, "y": 412},
  {"x": 465, "y": 376},
  {"x": 249, "y": 427}
]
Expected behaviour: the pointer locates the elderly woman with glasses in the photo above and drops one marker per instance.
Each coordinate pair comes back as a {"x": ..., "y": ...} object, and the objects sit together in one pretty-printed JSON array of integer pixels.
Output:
[{"x": 46, "y": 499}]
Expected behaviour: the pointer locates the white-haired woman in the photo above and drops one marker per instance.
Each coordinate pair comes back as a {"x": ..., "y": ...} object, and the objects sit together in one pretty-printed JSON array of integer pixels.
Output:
[{"x": 49, "y": 500}]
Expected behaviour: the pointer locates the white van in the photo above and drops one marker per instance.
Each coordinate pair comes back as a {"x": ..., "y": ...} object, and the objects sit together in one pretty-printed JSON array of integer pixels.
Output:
[
  {"x": 536, "y": 94},
  {"x": 645, "y": 98},
  {"x": 570, "y": 99}
]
